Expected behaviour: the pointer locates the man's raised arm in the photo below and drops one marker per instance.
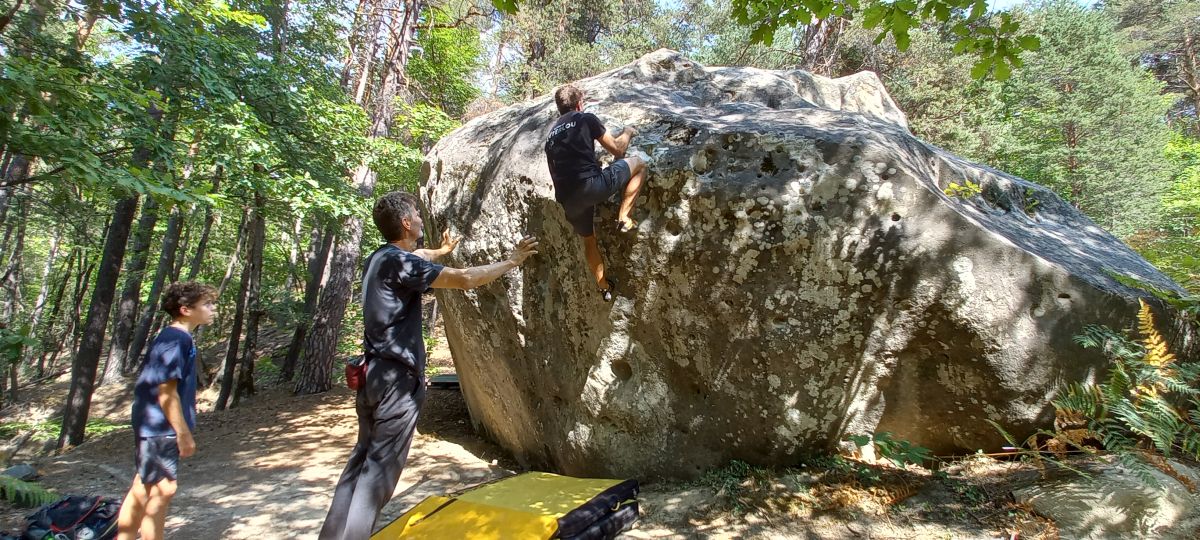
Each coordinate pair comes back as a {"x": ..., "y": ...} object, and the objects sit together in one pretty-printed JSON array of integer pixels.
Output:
[
  {"x": 469, "y": 278},
  {"x": 619, "y": 144}
]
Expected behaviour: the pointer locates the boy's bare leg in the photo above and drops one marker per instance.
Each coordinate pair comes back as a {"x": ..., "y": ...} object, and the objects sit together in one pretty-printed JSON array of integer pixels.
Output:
[
  {"x": 158, "y": 502},
  {"x": 591, "y": 251},
  {"x": 637, "y": 175},
  {"x": 133, "y": 509}
]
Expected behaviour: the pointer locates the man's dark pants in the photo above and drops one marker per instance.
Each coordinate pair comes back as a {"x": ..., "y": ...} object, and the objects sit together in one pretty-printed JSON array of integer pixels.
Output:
[{"x": 387, "y": 409}]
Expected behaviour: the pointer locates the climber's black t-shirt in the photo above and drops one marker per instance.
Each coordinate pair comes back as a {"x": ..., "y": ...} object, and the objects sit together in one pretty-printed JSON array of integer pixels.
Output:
[
  {"x": 571, "y": 153},
  {"x": 393, "y": 281}
]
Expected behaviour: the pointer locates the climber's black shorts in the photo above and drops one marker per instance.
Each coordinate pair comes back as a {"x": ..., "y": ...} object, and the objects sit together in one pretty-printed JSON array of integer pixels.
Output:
[
  {"x": 157, "y": 458},
  {"x": 581, "y": 204}
]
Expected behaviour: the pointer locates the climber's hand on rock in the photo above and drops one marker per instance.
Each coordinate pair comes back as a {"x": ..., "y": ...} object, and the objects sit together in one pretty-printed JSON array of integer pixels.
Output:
[
  {"x": 526, "y": 247},
  {"x": 449, "y": 242},
  {"x": 631, "y": 131}
]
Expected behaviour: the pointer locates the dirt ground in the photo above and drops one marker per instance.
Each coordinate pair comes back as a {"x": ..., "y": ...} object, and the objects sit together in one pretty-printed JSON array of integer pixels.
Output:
[{"x": 267, "y": 469}]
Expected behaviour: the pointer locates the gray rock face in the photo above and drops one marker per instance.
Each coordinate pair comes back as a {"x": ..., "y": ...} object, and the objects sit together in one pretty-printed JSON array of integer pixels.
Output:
[{"x": 798, "y": 275}]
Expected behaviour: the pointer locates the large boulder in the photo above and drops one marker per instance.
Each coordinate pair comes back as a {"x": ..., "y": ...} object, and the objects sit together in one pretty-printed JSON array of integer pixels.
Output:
[{"x": 798, "y": 275}]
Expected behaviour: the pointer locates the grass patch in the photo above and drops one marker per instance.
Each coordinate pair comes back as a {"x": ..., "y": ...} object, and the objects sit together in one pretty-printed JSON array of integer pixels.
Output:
[{"x": 51, "y": 428}]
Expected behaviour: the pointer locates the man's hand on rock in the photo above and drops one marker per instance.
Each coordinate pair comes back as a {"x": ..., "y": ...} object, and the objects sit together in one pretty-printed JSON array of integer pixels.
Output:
[
  {"x": 449, "y": 242},
  {"x": 526, "y": 247},
  {"x": 630, "y": 131}
]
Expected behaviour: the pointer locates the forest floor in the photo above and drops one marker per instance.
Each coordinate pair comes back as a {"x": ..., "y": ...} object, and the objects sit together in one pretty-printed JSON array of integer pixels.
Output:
[{"x": 267, "y": 468}]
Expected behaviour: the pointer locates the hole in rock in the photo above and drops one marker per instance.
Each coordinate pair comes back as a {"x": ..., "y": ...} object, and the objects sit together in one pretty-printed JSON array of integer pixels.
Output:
[
  {"x": 768, "y": 165},
  {"x": 622, "y": 370},
  {"x": 674, "y": 227},
  {"x": 1064, "y": 296},
  {"x": 895, "y": 217}
]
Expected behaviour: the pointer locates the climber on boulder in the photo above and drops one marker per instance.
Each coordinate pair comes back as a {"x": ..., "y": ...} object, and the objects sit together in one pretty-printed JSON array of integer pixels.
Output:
[{"x": 579, "y": 181}]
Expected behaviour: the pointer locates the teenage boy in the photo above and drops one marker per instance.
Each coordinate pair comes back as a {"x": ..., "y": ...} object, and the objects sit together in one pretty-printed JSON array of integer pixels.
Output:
[{"x": 164, "y": 411}]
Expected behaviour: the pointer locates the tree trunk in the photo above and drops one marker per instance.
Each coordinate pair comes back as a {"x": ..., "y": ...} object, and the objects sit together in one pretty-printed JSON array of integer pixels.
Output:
[
  {"x": 83, "y": 29},
  {"x": 166, "y": 261},
  {"x": 83, "y": 280},
  {"x": 243, "y": 229},
  {"x": 46, "y": 335},
  {"x": 293, "y": 254},
  {"x": 1189, "y": 65},
  {"x": 316, "y": 369},
  {"x": 83, "y": 368},
  {"x": 317, "y": 265},
  {"x": 369, "y": 51},
  {"x": 245, "y": 383},
  {"x": 235, "y": 337},
  {"x": 185, "y": 241},
  {"x": 7, "y": 17},
  {"x": 39, "y": 305},
  {"x": 202, "y": 245},
  {"x": 11, "y": 281},
  {"x": 131, "y": 296}
]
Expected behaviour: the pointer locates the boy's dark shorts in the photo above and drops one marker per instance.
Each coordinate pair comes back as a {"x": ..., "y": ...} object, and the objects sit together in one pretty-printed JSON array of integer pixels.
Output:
[
  {"x": 157, "y": 458},
  {"x": 582, "y": 203}
]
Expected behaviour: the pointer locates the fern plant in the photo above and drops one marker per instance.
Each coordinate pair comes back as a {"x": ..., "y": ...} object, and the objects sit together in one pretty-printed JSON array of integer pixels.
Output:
[
  {"x": 22, "y": 493},
  {"x": 1148, "y": 407}
]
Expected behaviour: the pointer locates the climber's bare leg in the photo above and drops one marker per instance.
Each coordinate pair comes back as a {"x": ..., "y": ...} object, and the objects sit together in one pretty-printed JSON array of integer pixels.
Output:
[
  {"x": 637, "y": 175},
  {"x": 591, "y": 251}
]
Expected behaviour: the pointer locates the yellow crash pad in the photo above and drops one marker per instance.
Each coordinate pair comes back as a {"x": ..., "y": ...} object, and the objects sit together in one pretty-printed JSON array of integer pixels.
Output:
[{"x": 523, "y": 506}]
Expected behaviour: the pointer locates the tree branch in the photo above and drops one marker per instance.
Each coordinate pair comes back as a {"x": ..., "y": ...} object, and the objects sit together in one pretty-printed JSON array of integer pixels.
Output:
[
  {"x": 7, "y": 18},
  {"x": 46, "y": 175}
]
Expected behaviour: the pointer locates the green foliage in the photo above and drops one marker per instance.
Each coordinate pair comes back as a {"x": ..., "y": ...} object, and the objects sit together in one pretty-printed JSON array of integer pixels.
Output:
[
  {"x": 730, "y": 482},
  {"x": 1185, "y": 303},
  {"x": 25, "y": 494},
  {"x": 1162, "y": 36},
  {"x": 1148, "y": 402},
  {"x": 13, "y": 344},
  {"x": 1173, "y": 242},
  {"x": 998, "y": 46},
  {"x": 559, "y": 42},
  {"x": 440, "y": 74},
  {"x": 430, "y": 341},
  {"x": 1031, "y": 202},
  {"x": 965, "y": 190},
  {"x": 1080, "y": 119},
  {"x": 900, "y": 452}
]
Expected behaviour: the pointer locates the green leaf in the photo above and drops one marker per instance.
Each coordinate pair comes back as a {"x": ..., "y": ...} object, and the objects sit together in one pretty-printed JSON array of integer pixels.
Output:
[
  {"x": 1002, "y": 71},
  {"x": 505, "y": 6},
  {"x": 1029, "y": 42},
  {"x": 980, "y": 69},
  {"x": 873, "y": 16}
]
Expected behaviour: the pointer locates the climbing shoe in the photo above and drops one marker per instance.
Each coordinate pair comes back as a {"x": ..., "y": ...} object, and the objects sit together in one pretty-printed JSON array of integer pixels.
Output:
[{"x": 607, "y": 293}]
